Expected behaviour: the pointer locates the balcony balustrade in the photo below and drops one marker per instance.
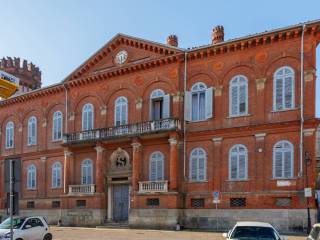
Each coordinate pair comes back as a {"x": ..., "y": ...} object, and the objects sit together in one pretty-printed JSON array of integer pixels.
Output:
[
  {"x": 153, "y": 186},
  {"x": 84, "y": 189},
  {"x": 122, "y": 131}
]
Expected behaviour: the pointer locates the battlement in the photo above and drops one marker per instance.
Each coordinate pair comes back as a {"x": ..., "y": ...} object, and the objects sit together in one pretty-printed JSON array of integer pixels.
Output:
[{"x": 28, "y": 73}]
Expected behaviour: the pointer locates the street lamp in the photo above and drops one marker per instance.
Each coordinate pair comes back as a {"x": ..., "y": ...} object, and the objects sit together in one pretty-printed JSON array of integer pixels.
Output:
[{"x": 307, "y": 161}]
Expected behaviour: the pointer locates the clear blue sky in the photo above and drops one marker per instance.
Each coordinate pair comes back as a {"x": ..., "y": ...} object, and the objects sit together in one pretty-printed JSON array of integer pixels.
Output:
[{"x": 59, "y": 35}]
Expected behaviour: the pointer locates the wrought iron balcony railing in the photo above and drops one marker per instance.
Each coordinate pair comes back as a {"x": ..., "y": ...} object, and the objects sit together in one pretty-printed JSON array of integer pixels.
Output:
[
  {"x": 153, "y": 186},
  {"x": 84, "y": 189},
  {"x": 135, "y": 129}
]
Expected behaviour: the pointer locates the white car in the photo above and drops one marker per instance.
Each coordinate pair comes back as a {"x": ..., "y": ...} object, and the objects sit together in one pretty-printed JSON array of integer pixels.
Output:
[
  {"x": 253, "y": 230},
  {"x": 25, "y": 228},
  {"x": 315, "y": 232}
]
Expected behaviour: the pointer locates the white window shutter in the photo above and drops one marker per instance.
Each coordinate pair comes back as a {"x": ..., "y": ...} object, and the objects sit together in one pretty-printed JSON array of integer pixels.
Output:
[
  {"x": 153, "y": 170},
  {"x": 277, "y": 164},
  {"x": 234, "y": 100},
  {"x": 166, "y": 106},
  {"x": 150, "y": 110},
  {"x": 242, "y": 167},
  {"x": 233, "y": 167},
  {"x": 287, "y": 165},
  {"x": 209, "y": 102},
  {"x": 187, "y": 106},
  {"x": 159, "y": 169},
  {"x": 279, "y": 94},
  {"x": 202, "y": 169}
]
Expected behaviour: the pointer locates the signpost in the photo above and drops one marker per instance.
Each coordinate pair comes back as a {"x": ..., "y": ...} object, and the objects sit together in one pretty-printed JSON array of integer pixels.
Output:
[{"x": 216, "y": 200}]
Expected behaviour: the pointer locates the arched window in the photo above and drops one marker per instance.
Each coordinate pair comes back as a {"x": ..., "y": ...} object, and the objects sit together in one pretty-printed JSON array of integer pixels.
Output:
[
  {"x": 238, "y": 162},
  {"x": 198, "y": 165},
  {"x": 86, "y": 172},
  {"x": 32, "y": 131},
  {"x": 159, "y": 105},
  {"x": 87, "y": 117},
  {"x": 57, "y": 126},
  {"x": 283, "y": 89},
  {"x": 56, "y": 175},
  {"x": 156, "y": 170},
  {"x": 10, "y": 135},
  {"x": 238, "y": 96},
  {"x": 31, "y": 177},
  {"x": 198, "y": 92},
  {"x": 121, "y": 111},
  {"x": 283, "y": 156}
]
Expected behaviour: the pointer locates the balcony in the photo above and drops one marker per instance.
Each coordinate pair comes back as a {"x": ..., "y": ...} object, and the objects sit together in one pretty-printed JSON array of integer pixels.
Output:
[
  {"x": 153, "y": 186},
  {"x": 129, "y": 130},
  {"x": 84, "y": 189}
]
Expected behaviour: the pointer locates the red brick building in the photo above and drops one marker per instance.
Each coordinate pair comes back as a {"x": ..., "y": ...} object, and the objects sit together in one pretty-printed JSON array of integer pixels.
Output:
[{"x": 146, "y": 132}]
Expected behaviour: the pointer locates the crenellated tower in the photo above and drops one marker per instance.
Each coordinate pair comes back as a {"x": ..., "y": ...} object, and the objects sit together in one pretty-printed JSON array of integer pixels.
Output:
[{"x": 27, "y": 72}]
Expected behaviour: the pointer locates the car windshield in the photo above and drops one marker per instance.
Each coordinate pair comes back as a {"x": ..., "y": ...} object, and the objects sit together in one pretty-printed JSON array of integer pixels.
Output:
[
  {"x": 17, "y": 222},
  {"x": 250, "y": 233}
]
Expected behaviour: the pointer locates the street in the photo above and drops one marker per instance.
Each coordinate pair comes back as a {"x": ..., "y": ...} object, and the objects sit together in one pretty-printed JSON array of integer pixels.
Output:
[{"x": 74, "y": 233}]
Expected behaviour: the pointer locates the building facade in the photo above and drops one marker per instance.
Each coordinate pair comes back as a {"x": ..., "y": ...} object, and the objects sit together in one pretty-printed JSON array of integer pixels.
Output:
[{"x": 156, "y": 135}]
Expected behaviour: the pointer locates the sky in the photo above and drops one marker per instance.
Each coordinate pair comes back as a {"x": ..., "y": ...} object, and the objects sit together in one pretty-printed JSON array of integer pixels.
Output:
[{"x": 59, "y": 35}]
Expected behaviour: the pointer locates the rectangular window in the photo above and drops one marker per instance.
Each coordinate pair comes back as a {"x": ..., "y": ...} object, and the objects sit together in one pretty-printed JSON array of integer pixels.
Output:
[
  {"x": 157, "y": 109},
  {"x": 238, "y": 202},
  {"x": 30, "y": 204},
  {"x": 55, "y": 204},
  {"x": 81, "y": 203},
  {"x": 197, "y": 202},
  {"x": 153, "y": 202},
  {"x": 283, "y": 202}
]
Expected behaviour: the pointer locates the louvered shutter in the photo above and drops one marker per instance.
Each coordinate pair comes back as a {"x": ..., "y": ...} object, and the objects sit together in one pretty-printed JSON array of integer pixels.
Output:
[
  {"x": 187, "y": 106},
  {"x": 288, "y": 92},
  {"x": 233, "y": 167},
  {"x": 278, "y": 165},
  {"x": 209, "y": 103},
  {"x": 153, "y": 170},
  {"x": 287, "y": 165},
  {"x": 90, "y": 120},
  {"x": 202, "y": 168},
  {"x": 194, "y": 169},
  {"x": 234, "y": 100},
  {"x": 124, "y": 114},
  {"x": 242, "y": 99},
  {"x": 166, "y": 106},
  {"x": 242, "y": 166},
  {"x": 279, "y": 94},
  {"x": 151, "y": 110},
  {"x": 159, "y": 169}
]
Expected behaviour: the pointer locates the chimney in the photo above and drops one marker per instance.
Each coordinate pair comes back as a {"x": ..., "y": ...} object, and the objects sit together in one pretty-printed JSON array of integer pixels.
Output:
[
  {"x": 217, "y": 35},
  {"x": 172, "y": 40}
]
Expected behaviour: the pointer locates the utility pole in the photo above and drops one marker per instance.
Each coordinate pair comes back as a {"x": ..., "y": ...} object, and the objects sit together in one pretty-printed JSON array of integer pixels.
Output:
[
  {"x": 307, "y": 160},
  {"x": 11, "y": 199}
]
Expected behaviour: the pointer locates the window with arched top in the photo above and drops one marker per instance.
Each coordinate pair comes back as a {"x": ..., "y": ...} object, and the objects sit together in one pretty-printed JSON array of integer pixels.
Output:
[
  {"x": 10, "y": 135},
  {"x": 86, "y": 172},
  {"x": 238, "y": 162},
  {"x": 238, "y": 96},
  {"x": 198, "y": 165},
  {"x": 156, "y": 167},
  {"x": 32, "y": 131},
  {"x": 121, "y": 111},
  {"x": 198, "y": 102},
  {"x": 283, "y": 160},
  {"x": 31, "y": 177},
  {"x": 57, "y": 126},
  {"x": 159, "y": 105},
  {"x": 87, "y": 117},
  {"x": 283, "y": 89},
  {"x": 56, "y": 175}
]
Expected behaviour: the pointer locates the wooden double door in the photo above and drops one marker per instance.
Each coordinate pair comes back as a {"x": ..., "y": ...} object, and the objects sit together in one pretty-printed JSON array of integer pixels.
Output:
[{"x": 120, "y": 202}]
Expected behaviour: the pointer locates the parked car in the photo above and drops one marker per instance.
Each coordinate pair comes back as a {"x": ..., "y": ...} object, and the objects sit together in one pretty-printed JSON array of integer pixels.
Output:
[
  {"x": 253, "y": 230},
  {"x": 314, "y": 233},
  {"x": 26, "y": 228}
]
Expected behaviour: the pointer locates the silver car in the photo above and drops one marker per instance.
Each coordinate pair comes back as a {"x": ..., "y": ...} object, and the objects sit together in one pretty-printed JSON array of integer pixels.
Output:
[{"x": 253, "y": 230}]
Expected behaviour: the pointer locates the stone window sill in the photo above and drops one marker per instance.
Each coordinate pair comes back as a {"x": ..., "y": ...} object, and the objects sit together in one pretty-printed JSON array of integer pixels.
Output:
[
  {"x": 238, "y": 180},
  {"x": 284, "y": 110},
  {"x": 204, "y": 181},
  {"x": 239, "y": 116}
]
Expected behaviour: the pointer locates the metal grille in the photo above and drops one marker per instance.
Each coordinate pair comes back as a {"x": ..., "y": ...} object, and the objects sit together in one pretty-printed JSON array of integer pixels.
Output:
[
  {"x": 55, "y": 204},
  {"x": 153, "y": 202},
  {"x": 81, "y": 203},
  {"x": 30, "y": 204},
  {"x": 238, "y": 202},
  {"x": 197, "y": 202},
  {"x": 283, "y": 202}
]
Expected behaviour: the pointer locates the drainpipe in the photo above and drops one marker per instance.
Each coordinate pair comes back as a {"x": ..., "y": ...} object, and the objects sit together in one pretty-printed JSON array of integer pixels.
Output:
[
  {"x": 184, "y": 119},
  {"x": 301, "y": 101},
  {"x": 66, "y": 109}
]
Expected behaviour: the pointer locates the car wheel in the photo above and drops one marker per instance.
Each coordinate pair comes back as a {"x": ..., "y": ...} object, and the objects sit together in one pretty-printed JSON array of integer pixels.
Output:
[{"x": 48, "y": 236}]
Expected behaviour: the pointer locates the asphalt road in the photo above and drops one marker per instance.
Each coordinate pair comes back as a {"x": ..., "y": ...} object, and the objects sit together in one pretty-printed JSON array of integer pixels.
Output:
[{"x": 75, "y": 233}]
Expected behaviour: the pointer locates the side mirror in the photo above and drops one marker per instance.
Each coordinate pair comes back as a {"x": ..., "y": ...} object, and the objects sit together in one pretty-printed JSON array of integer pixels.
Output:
[
  {"x": 225, "y": 235},
  {"x": 27, "y": 226}
]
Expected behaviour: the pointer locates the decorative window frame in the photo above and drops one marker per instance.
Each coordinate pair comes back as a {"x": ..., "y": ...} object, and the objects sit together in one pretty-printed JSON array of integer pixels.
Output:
[
  {"x": 197, "y": 170},
  {"x": 235, "y": 82},
  {"x": 238, "y": 169}
]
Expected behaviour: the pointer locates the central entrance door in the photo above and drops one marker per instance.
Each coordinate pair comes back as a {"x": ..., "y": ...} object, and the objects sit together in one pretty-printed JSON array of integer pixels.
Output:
[{"x": 120, "y": 202}]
